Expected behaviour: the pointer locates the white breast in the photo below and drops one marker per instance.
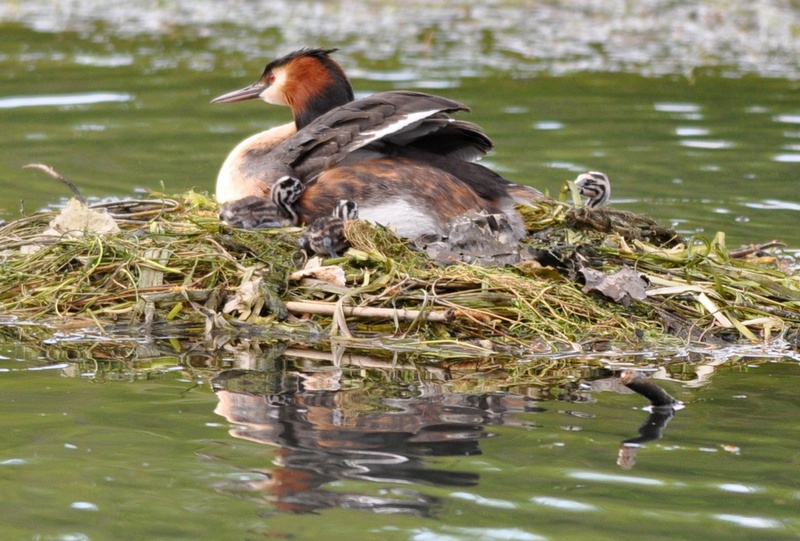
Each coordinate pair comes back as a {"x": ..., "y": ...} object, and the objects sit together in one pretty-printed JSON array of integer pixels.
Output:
[
  {"x": 407, "y": 219},
  {"x": 237, "y": 178}
]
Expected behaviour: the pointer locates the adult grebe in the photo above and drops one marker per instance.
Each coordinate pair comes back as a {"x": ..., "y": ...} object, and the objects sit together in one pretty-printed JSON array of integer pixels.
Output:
[
  {"x": 341, "y": 156},
  {"x": 422, "y": 155}
]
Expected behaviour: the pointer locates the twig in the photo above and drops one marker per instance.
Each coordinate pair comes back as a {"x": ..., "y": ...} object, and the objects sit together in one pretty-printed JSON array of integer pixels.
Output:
[
  {"x": 754, "y": 249},
  {"x": 329, "y": 309},
  {"x": 55, "y": 174}
]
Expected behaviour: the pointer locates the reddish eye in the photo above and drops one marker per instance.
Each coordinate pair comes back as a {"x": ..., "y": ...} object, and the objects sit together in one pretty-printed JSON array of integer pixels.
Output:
[{"x": 271, "y": 78}]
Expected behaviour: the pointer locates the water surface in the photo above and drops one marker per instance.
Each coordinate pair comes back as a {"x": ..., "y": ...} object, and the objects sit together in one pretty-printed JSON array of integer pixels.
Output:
[
  {"x": 322, "y": 453},
  {"x": 692, "y": 108},
  {"x": 704, "y": 140}
]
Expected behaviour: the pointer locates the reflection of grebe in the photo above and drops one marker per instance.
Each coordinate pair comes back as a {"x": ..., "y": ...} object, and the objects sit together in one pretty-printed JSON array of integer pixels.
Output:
[
  {"x": 326, "y": 436},
  {"x": 415, "y": 170}
]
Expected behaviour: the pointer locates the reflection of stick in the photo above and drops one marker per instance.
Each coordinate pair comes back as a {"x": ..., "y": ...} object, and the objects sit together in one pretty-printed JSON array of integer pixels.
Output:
[
  {"x": 55, "y": 174},
  {"x": 328, "y": 309},
  {"x": 637, "y": 382},
  {"x": 364, "y": 361},
  {"x": 650, "y": 431}
]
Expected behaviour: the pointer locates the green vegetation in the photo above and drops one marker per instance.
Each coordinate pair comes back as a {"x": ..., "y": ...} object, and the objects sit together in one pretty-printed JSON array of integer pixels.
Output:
[{"x": 175, "y": 271}]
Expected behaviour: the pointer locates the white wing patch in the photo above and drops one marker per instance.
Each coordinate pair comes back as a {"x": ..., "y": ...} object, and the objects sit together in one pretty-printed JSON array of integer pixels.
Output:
[{"x": 396, "y": 126}]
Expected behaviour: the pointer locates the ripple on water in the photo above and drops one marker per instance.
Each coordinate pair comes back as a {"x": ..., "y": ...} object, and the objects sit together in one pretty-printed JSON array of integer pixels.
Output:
[
  {"x": 670, "y": 107},
  {"x": 107, "y": 61},
  {"x": 451, "y": 533},
  {"x": 706, "y": 145},
  {"x": 787, "y": 158},
  {"x": 606, "y": 478},
  {"x": 548, "y": 125},
  {"x": 84, "y": 506},
  {"x": 750, "y": 522},
  {"x": 787, "y": 119},
  {"x": 437, "y": 84},
  {"x": 89, "y": 127},
  {"x": 61, "y": 100},
  {"x": 395, "y": 76},
  {"x": 739, "y": 488},
  {"x": 569, "y": 166},
  {"x": 690, "y": 131},
  {"x": 561, "y": 503},
  {"x": 773, "y": 204},
  {"x": 484, "y": 502}
]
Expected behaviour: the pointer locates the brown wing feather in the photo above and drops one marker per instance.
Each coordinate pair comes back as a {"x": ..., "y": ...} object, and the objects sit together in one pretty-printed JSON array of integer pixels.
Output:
[{"x": 333, "y": 136}]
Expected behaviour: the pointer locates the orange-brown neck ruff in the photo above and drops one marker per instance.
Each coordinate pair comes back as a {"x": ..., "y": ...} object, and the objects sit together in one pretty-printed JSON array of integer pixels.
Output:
[{"x": 315, "y": 84}]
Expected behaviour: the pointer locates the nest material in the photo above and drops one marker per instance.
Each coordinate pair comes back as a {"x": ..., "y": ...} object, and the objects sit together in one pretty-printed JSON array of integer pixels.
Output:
[{"x": 176, "y": 270}]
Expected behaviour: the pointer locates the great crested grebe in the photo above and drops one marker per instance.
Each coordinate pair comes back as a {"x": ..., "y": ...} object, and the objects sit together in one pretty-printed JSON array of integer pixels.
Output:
[
  {"x": 326, "y": 235},
  {"x": 350, "y": 153},
  {"x": 596, "y": 186},
  {"x": 416, "y": 166}
]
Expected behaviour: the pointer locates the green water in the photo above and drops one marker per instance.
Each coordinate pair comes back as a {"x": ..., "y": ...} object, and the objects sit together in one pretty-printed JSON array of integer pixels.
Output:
[
  {"x": 693, "y": 110},
  {"x": 87, "y": 457},
  {"x": 707, "y": 154}
]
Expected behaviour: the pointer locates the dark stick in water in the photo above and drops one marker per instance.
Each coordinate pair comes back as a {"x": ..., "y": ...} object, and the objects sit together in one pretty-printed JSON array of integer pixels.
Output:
[{"x": 637, "y": 382}]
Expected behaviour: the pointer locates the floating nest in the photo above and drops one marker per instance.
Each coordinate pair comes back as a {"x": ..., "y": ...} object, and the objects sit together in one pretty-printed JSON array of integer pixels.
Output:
[{"x": 167, "y": 271}]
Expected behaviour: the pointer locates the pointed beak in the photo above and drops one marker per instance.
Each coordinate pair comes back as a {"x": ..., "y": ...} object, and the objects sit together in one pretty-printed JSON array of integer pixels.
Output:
[{"x": 247, "y": 93}]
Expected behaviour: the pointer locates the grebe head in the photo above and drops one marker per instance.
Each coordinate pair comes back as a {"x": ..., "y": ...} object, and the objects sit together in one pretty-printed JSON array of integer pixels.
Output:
[
  {"x": 308, "y": 80},
  {"x": 346, "y": 209},
  {"x": 326, "y": 234},
  {"x": 284, "y": 193},
  {"x": 596, "y": 186}
]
